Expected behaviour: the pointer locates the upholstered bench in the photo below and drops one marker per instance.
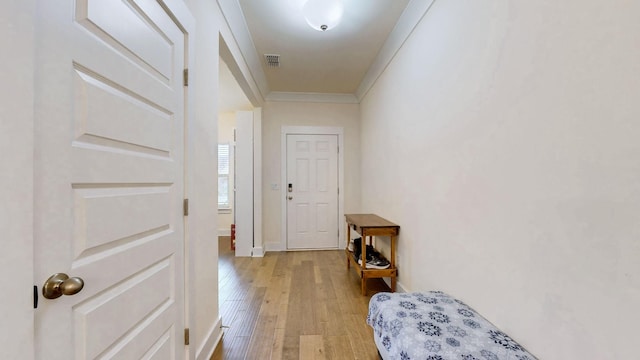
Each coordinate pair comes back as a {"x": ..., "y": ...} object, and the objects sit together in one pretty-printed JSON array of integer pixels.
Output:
[{"x": 435, "y": 326}]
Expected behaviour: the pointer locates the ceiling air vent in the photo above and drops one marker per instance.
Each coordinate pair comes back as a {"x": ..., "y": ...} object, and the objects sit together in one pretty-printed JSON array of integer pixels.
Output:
[{"x": 273, "y": 60}]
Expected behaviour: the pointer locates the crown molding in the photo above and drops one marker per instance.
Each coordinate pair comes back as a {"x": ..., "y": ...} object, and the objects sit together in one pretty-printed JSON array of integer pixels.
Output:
[
  {"x": 410, "y": 18},
  {"x": 312, "y": 97}
]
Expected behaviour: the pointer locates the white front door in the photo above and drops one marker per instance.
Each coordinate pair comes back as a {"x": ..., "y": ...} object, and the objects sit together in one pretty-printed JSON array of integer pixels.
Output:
[
  {"x": 312, "y": 191},
  {"x": 109, "y": 175}
]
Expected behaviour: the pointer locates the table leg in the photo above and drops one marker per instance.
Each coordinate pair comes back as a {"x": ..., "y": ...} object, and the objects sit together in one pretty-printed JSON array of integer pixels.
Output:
[
  {"x": 393, "y": 252},
  {"x": 347, "y": 248},
  {"x": 393, "y": 262}
]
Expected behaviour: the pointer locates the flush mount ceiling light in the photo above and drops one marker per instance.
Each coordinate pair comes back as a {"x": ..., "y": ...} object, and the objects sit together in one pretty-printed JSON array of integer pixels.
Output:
[{"x": 322, "y": 15}]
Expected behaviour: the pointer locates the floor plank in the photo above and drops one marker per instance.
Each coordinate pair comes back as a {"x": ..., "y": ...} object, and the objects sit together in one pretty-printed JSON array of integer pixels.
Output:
[
  {"x": 312, "y": 347},
  {"x": 293, "y": 305}
]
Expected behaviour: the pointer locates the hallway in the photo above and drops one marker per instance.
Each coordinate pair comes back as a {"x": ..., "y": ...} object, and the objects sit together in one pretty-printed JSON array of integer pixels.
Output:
[{"x": 293, "y": 305}]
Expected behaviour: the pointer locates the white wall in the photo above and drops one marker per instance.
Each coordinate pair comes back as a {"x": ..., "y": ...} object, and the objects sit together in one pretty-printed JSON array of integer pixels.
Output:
[
  {"x": 258, "y": 242},
  {"x": 244, "y": 172},
  {"x": 203, "y": 309},
  {"x": 508, "y": 135},
  {"x": 226, "y": 124},
  {"x": 278, "y": 114},
  {"x": 202, "y": 184},
  {"x": 214, "y": 41}
]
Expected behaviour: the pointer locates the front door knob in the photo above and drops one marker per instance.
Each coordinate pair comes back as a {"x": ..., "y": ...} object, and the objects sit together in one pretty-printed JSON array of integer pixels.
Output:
[{"x": 61, "y": 284}]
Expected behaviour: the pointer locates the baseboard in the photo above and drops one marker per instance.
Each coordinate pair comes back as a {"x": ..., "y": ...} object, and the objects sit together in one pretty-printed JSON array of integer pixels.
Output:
[
  {"x": 211, "y": 341},
  {"x": 399, "y": 287},
  {"x": 274, "y": 247},
  {"x": 258, "y": 252},
  {"x": 224, "y": 232}
]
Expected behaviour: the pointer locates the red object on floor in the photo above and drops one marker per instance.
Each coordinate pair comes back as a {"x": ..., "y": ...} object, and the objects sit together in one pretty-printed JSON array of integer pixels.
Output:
[{"x": 233, "y": 236}]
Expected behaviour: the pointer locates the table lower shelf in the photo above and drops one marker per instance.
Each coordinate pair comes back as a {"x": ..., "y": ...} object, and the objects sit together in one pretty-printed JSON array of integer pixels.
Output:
[{"x": 368, "y": 273}]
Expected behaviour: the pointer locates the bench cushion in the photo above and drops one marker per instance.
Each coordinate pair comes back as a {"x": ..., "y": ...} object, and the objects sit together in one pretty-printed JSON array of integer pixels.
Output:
[{"x": 435, "y": 326}]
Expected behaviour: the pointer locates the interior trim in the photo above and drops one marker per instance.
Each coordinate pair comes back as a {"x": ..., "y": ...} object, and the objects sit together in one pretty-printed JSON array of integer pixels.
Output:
[
  {"x": 410, "y": 18},
  {"x": 312, "y": 97},
  {"x": 236, "y": 23}
]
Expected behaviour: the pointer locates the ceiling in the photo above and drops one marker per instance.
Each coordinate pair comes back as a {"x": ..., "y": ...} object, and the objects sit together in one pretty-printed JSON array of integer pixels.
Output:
[
  {"x": 312, "y": 61},
  {"x": 334, "y": 61}
]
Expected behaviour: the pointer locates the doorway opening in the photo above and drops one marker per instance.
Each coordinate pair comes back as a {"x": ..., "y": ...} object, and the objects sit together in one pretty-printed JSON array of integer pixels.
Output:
[
  {"x": 239, "y": 183},
  {"x": 231, "y": 99}
]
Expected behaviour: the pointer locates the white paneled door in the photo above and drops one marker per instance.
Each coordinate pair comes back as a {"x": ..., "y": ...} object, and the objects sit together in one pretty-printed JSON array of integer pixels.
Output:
[
  {"x": 109, "y": 177},
  {"x": 312, "y": 191}
]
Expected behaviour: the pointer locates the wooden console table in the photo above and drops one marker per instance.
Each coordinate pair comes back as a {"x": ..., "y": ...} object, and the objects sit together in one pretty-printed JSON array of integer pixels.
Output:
[{"x": 369, "y": 225}]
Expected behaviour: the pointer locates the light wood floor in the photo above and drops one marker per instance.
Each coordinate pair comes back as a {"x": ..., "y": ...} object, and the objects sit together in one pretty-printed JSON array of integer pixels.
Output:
[{"x": 293, "y": 305}]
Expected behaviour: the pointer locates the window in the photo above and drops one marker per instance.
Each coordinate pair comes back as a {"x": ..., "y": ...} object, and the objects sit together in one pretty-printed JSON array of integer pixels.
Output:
[{"x": 224, "y": 201}]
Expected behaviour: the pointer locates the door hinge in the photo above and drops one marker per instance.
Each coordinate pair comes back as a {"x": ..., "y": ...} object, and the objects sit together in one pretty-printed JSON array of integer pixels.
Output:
[
  {"x": 186, "y": 336},
  {"x": 185, "y": 77},
  {"x": 185, "y": 207}
]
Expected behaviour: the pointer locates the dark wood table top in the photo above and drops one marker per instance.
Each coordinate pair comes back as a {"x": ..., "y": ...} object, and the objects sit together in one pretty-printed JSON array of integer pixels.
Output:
[{"x": 369, "y": 221}]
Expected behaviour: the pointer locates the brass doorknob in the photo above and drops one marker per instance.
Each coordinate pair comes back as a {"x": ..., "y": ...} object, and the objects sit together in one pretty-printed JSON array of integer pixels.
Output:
[
  {"x": 290, "y": 197},
  {"x": 61, "y": 284}
]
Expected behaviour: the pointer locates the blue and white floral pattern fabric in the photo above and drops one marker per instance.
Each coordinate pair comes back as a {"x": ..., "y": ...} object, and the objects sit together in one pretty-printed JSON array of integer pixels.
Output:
[{"x": 435, "y": 326}]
